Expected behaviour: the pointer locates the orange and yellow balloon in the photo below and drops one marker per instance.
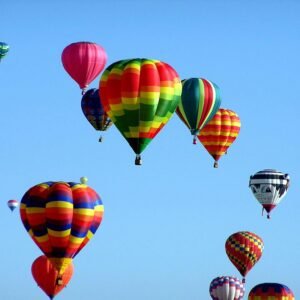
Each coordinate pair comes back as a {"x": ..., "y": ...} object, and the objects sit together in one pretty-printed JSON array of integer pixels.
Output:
[{"x": 219, "y": 133}]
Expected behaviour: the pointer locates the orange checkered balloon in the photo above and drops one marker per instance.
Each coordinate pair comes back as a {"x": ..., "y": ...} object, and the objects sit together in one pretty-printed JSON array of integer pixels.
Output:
[{"x": 244, "y": 249}]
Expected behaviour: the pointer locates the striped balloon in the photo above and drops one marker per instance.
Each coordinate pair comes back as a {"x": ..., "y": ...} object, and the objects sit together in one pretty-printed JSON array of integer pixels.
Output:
[
  {"x": 244, "y": 249},
  {"x": 140, "y": 96},
  {"x": 93, "y": 110},
  {"x": 269, "y": 187},
  {"x": 219, "y": 133},
  {"x": 4, "y": 48},
  {"x": 200, "y": 100},
  {"x": 271, "y": 291},
  {"x": 226, "y": 288},
  {"x": 61, "y": 217}
]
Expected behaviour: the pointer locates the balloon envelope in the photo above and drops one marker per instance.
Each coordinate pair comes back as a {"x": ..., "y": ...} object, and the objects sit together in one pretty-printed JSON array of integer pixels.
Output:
[
  {"x": 93, "y": 110},
  {"x": 47, "y": 277},
  {"x": 199, "y": 102},
  {"x": 84, "y": 61},
  {"x": 220, "y": 132},
  {"x": 12, "y": 204},
  {"x": 274, "y": 291},
  {"x": 61, "y": 217},
  {"x": 269, "y": 187},
  {"x": 226, "y": 288},
  {"x": 4, "y": 48},
  {"x": 244, "y": 249},
  {"x": 140, "y": 96}
]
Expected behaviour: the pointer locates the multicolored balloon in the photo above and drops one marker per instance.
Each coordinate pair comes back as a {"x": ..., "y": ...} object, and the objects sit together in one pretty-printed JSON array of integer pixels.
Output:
[
  {"x": 200, "y": 100},
  {"x": 244, "y": 249},
  {"x": 4, "y": 48},
  {"x": 61, "y": 218},
  {"x": 274, "y": 291},
  {"x": 140, "y": 96},
  {"x": 47, "y": 277},
  {"x": 269, "y": 187},
  {"x": 219, "y": 133},
  {"x": 12, "y": 204},
  {"x": 226, "y": 288},
  {"x": 84, "y": 61},
  {"x": 93, "y": 110}
]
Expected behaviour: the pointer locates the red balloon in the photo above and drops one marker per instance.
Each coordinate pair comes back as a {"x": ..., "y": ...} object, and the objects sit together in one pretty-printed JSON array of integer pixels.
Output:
[
  {"x": 46, "y": 276},
  {"x": 84, "y": 61}
]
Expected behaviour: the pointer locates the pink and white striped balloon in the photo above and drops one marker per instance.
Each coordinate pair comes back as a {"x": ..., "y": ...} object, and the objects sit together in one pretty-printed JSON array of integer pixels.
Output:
[{"x": 226, "y": 288}]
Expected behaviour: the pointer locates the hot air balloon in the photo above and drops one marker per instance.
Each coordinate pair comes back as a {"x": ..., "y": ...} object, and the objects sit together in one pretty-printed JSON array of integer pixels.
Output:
[
  {"x": 84, "y": 61},
  {"x": 12, "y": 204},
  {"x": 274, "y": 291},
  {"x": 4, "y": 48},
  {"x": 93, "y": 110},
  {"x": 200, "y": 100},
  {"x": 47, "y": 277},
  {"x": 140, "y": 96},
  {"x": 269, "y": 187},
  {"x": 219, "y": 133},
  {"x": 244, "y": 249},
  {"x": 226, "y": 288},
  {"x": 61, "y": 217}
]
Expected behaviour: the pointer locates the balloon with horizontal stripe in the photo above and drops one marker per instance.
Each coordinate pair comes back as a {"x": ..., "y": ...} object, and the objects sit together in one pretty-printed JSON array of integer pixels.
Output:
[
  {"x": 140, "y": 96},
  {"x": 226, "y": 288},
  {"x": 61, "y": 218},
  {"x": 269, "y": 187},
  {"x": 4, "y": 48},
  {"x": 219, "y": 133},
  {"x": 271, "y": 291},
  {"x": 47, "y": 278},
  {"x": 84, "y": 61},
  {"x": 12, "y": 204},
  {"x": 244, "y": 249},
  {"x": 199, "y": 102},
  {"x": 93, "y": 110}
]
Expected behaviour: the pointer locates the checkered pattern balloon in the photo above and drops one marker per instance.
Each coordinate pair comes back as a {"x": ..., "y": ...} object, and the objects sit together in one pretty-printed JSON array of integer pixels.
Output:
[{"x": 271, "y": 291}]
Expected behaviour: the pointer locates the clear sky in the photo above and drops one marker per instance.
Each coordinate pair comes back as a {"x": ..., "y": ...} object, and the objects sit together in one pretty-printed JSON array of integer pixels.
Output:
[{"x": 166, "y": 222}]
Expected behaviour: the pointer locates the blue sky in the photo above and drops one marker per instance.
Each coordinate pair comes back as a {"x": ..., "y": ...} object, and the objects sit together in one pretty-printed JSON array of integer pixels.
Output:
[{"x": 165, "y": 223}]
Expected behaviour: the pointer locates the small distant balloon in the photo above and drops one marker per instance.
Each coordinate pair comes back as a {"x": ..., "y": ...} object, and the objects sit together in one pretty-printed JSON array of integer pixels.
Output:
[
  {"x": 83, "y": 180},
  {"x": 12, "y": 204},
  {"x": 4, "y": 48}
]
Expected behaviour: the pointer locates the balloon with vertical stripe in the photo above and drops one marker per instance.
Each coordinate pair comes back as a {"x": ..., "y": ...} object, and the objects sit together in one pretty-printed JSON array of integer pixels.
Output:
[
  {"x": 219, "y": 133},
  {"x": 4, "y": 48},
  {"x": 140, "y": 96},
  {"x": 226, "y": 288},
  {"x": 244, "y": 249},
  {"x": 200, "y": 100},
  {"x": 61, "y": 217},
  {"x": 271, "y": 291},
  {"x": 47, "y": 278}
]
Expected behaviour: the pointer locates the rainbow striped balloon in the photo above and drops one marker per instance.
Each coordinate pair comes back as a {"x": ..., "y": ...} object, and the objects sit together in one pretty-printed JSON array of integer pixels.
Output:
[
  {"x": 271, "y": 291},
  {"x": 61, "y": 217},
  {"x": 139, "y": 96},
  {"x": 220, "y": 132},
  {"x": 200, "y": 100}
]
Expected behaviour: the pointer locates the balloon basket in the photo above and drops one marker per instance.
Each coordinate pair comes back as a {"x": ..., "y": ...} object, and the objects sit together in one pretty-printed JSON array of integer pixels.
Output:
[{"x": 138, "y": 161}]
